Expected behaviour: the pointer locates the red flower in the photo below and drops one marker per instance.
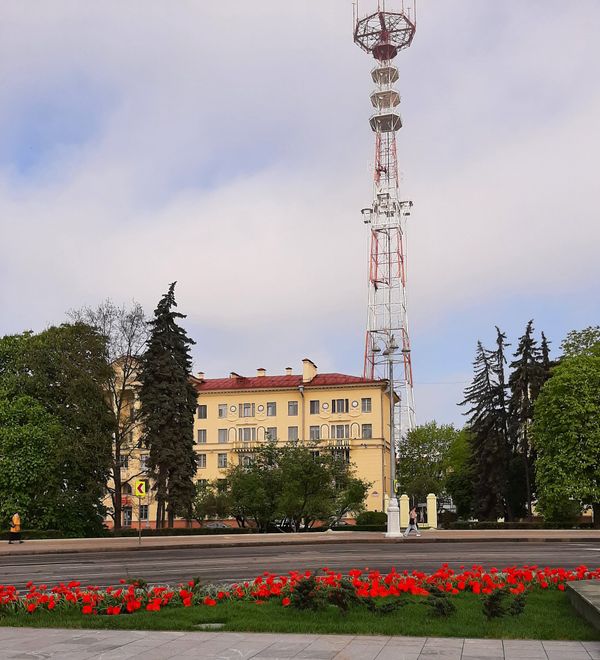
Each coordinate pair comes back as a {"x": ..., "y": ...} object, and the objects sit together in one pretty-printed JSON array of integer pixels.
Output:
[
  {"x": 209, "y": 601},
  {"x": 286, "y": 601},
  {"x": 86, "y": 609}
]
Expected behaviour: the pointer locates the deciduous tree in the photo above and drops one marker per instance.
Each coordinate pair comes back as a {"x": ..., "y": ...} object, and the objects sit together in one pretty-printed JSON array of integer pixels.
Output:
[
  {"x": 125, "y": 333},
  {"x": 566, "y": 434}
]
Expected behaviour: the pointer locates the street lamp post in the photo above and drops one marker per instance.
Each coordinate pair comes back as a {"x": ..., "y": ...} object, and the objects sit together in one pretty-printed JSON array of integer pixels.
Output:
[{"x": 393, "y": 510}]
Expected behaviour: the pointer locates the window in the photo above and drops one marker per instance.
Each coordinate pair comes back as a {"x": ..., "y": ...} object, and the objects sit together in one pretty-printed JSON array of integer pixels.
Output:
[
  {"x": 201, "y": 412},
  {"x": 342, "y": 454},
  {"x": 314, "y": 407},
  {"x": 315, "y": 432},
  {"x": 340, "y": 431},
  {"x": 222, "y": 460},
  {"x": 201, "y": 436},
  {"x": 365, "y": 405},
  {"x": 271, "y": 409},
  {"x": 202, "y": 483},
  {"x": 222, "y": 410},
  {"x": 339, "y": 406},
  {"x": 246, "y": 410},
  {"x": 367, "y": 431},
  {"x": 271, "y": 433},
  {"x": 124, "y": 461},
  {"x": 315, "y": 454},
  {"x": 201, "y": 461},
  {"x": 293, "y": 433},
  {"x": 245, "y": 460},
  {"x": 247, "y": 434},
  {"x": 292, "y": 408},
  {"x": 222, "y": 436},
  {"x": 143, "y": 512},
  {"x": 221, "y": 485},
  {"x": 144, "y": 460}
]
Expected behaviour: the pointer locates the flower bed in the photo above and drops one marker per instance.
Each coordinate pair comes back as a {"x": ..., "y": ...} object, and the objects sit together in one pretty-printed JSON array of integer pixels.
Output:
[{"x": 358, "y": 586}]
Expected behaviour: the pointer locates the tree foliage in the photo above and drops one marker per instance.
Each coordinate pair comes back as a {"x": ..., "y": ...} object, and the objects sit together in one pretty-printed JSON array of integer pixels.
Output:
[
  {"x": 488, "y": 423},
  {"x": 424, "y": 459},
  {"x": 527, "y": 376},
  {"x": 125, "y": 333},
  {"x": 61, "y": 371},
  {"x": 167, "y": 404},
  {"x": 295, "y": 486},
  {"x": 567, "y": 435},
  {"x": 582, "y": 342}
]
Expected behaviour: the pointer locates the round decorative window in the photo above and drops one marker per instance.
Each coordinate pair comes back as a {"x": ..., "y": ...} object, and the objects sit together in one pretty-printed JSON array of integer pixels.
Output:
[
  {"x": 355, "y": 404},
  {"x": 325, "y": 406},
  {"x": 260, "y": 408},
  {"x": 232, "y": 408}
]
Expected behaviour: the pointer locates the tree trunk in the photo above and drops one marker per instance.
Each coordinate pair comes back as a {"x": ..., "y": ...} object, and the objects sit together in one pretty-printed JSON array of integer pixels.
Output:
[
  {"x": 527, "y": 484},
  {"x": 117, "y": 497},
  {"x": 596, "y": 514}
]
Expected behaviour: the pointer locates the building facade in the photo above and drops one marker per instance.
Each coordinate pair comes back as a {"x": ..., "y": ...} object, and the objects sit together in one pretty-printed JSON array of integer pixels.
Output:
[{"x": 335, "y": 412}]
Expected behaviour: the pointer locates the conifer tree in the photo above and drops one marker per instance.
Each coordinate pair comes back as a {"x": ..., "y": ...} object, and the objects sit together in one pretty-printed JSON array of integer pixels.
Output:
[
  {"x": 525, "y": 381},
  {"x": 488, "y": 423},
  {"x": 168, "y": 402}
]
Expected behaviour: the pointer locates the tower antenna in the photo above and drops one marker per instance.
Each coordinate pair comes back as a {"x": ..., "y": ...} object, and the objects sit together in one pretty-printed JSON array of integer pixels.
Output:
[{"x": 384, "y": 34}]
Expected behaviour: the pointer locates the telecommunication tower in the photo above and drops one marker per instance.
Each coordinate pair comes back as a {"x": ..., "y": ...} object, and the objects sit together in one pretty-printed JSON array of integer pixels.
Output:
[{"x": 384, "y": 34}]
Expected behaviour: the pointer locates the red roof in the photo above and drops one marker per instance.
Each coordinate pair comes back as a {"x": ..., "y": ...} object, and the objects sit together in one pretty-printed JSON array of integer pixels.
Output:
[{"x": 277, "y": 382}]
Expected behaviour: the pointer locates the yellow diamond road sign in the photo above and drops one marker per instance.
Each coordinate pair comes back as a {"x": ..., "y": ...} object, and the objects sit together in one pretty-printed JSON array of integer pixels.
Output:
[{"x": 140, "y": 489}]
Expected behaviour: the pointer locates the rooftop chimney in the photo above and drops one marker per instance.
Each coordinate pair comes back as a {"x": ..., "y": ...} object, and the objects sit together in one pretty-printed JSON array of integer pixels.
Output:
[
  {"x": 200, "y": 375},
  {"x": 260, "y": 372},
  {"x": 309, "y": 370},
  {"x": 288, "y": 371},
  {"x": 234, "y": 375}
]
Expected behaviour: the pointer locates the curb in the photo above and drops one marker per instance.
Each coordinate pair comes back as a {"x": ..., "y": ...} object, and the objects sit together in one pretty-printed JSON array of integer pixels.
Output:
[{"x": 146, "y": 547}]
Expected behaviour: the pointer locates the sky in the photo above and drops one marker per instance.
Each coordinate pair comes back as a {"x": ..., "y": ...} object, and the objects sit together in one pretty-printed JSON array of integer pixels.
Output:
[{"x": 226, "y": 146}]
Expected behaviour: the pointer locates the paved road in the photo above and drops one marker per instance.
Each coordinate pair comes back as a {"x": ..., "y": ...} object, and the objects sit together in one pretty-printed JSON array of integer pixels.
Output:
[{"x": 238, "y": 563}]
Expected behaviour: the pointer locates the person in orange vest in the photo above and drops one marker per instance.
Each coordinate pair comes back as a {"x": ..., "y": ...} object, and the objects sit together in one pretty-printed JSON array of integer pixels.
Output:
[{"x": 15, "y": 529}]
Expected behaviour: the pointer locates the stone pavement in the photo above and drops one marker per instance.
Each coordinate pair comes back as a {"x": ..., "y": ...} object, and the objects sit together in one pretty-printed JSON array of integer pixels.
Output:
[
  {"x": 30, "y": 643},
  {"x": 49, "y": 546}
]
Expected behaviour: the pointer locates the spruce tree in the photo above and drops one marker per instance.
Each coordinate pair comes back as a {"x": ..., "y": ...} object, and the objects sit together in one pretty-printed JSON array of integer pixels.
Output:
[
  {"x": 488, "y": 423},
  {"x": 168, "y": 402},
  {"x": 547, "y": 363},
  {"x": 525, "y": 382}
]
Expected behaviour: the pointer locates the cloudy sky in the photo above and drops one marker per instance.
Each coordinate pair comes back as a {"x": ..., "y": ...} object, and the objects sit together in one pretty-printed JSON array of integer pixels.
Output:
[{"x": 225, "y": 144}]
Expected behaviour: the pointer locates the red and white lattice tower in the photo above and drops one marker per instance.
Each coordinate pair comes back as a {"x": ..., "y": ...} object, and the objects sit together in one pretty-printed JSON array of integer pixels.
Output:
[{"x": 387, "y": 347}]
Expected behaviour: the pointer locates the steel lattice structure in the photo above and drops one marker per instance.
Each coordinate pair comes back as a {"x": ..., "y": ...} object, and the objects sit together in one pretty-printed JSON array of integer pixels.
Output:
[{"x": 383, "y": 34}]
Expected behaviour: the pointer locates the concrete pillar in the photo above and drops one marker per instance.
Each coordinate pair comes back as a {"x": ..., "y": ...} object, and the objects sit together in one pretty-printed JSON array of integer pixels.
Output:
[
  {"x": 393, "y": 521},
  {"x": 404, "y": 510},
  {"x": 432, "y": 511}
]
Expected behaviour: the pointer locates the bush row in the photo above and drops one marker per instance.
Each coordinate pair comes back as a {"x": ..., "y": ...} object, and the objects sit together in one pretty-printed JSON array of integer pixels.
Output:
[{"x": 468, "y": 524}]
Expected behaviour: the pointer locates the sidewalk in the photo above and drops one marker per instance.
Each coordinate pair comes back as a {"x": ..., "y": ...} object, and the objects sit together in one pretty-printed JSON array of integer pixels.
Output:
[
  {"x": 48, "y": 546},
  {"x": 144, "y": 645}
]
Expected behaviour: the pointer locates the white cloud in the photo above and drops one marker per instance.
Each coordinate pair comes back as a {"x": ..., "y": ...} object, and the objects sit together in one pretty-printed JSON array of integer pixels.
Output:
[{"x": 226, "y": 145}]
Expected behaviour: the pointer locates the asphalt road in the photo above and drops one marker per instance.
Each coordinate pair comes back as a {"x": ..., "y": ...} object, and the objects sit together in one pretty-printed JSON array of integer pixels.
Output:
[{"x": 230, "y": 564}]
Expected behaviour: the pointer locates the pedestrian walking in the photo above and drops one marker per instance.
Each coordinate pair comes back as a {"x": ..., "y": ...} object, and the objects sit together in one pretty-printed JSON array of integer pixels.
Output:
[
  {"x": 412, "y": 523},
  {"x": 15, "y": 529}
]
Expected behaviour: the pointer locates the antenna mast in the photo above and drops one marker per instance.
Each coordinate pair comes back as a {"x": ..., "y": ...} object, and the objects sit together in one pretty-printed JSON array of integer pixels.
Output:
[{"x": 384, "y": 34}]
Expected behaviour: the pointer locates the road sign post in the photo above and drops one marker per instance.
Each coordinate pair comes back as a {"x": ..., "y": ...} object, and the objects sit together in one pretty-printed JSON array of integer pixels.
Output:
[{"x": 140, "y": 492}]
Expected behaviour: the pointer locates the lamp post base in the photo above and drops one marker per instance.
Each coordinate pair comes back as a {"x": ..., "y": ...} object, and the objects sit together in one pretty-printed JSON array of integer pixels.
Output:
[{"x": 393, "y": 519}]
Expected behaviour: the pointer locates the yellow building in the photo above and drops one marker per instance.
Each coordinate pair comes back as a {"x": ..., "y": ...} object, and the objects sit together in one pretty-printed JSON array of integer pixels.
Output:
[{"x": 235, "y": 415}]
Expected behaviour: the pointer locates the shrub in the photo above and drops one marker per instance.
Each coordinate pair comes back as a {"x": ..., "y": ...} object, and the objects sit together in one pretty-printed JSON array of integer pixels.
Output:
[
  {"x": 371, "y": 518},
  {"x": 439, "y": 603}
]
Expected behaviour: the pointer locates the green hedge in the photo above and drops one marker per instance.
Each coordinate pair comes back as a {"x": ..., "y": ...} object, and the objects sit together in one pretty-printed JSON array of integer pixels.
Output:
[
  {"x": 182, "y": 531},
  {"x": 372, "y": 518},
  {"x": 36, "y": 534},
  {"x": 467, "y": 524}
]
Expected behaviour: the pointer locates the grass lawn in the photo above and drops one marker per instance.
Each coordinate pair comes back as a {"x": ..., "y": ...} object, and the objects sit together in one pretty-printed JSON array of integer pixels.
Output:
[{"x": 548, "y": 615}]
